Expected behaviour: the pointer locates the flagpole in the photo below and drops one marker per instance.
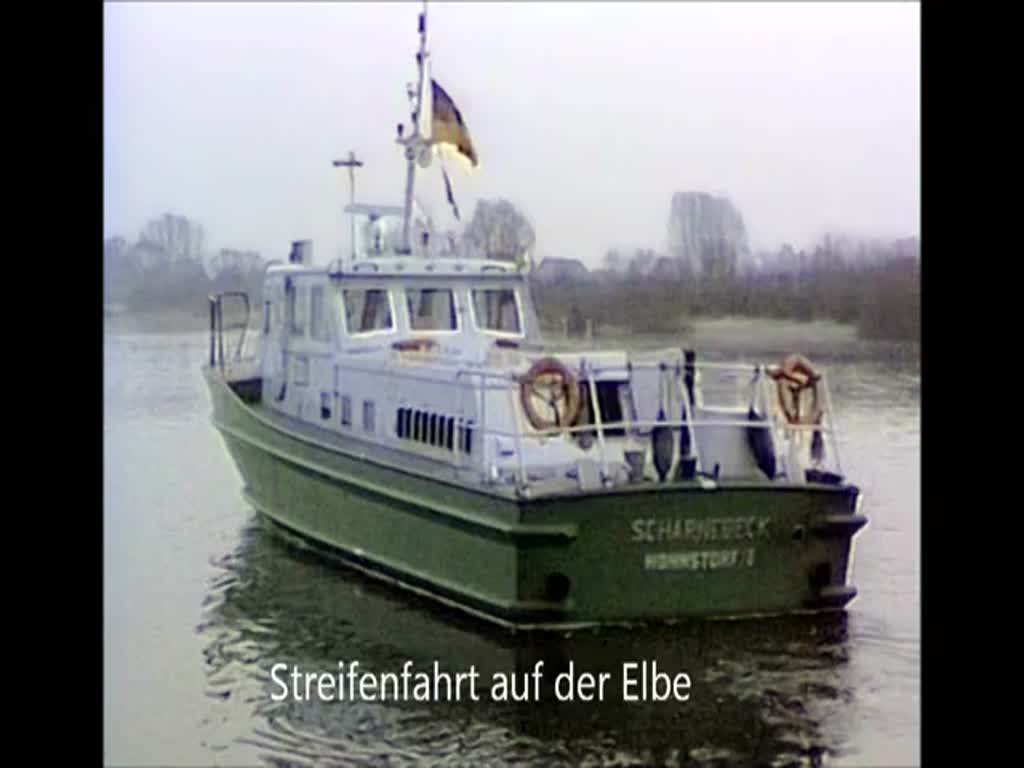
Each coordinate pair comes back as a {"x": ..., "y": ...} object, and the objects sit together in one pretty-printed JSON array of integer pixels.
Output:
[{"x": 417, "y": 141}]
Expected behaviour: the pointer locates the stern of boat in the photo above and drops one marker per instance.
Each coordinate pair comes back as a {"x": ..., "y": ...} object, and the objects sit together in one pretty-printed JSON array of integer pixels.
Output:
[{"x": 688, "y": 550}]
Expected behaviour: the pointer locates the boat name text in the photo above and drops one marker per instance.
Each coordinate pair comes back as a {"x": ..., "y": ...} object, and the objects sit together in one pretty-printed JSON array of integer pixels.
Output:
[{"x": 699, "y": 531}]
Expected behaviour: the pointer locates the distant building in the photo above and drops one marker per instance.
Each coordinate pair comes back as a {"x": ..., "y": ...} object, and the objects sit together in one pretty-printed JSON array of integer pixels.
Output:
[{"x": 560, "y": 270}]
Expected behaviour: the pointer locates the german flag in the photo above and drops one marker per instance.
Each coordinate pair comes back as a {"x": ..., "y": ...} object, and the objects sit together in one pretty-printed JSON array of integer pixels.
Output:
[{"x": 447, "y": 125}]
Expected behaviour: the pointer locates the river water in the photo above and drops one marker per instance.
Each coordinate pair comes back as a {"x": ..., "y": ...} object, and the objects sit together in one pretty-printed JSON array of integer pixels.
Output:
[{"x": 201, "y": 598}]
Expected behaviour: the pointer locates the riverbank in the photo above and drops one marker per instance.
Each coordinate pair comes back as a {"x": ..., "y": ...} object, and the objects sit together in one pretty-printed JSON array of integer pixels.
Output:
[
  {"x": 170, "y": 320},
  {"x": 757, "y": 338},
  {"x": 714, "y": 338}
]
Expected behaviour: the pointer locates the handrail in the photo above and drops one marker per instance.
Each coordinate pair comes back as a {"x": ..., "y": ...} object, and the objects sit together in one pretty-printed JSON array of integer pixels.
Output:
[
  {"x": 833, "y": 427},
  {"x": 516, "y": 415},
  {"x": 592, "y": 384},
  {"x": 691, "y": 420},
  {"x": 506, "y": 376},
  {"x": 688, "y": 407},
  {"x": 738, "y": 423},
  {"x": 216, "y": 302}
]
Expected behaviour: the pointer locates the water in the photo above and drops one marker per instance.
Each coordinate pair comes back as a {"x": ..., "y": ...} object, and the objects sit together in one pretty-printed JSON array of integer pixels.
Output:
[{"x": 201, "y": 598}]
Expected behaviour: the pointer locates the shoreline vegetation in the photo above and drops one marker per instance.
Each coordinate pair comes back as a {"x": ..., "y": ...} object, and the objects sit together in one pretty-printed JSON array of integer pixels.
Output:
[
  {"x": 711, "y": 337},
  {"x": 841, "y": 298},
  {"x": 718, "y": 338}
]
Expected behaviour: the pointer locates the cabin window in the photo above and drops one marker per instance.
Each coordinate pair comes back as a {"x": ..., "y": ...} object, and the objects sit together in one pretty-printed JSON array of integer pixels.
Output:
[
  {"x": 266, "y": 318},
  {"x": 368, "y": 416},
  {"x": 496, "y": 310},
  {"x": 367, "y": 310},
  {"x": 297, "y": 311},
  {"x": 318, "y": 327},
  {"x": 346, "y": 411},
  {"x": 300, "y": 371},
  {"x": 275, "y": 307},
  {"x": 431, "y": 309}
]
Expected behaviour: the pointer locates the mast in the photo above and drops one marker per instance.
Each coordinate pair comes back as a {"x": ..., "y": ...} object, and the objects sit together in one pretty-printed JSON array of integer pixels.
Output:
[{"x": 417, "y": 142}]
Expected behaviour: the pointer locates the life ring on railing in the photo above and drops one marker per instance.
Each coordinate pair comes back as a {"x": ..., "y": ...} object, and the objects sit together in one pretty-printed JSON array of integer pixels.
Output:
[
  {"x": 415, "y": 345},
  {"x": 551, "y": 383},
  {"x": 792, "y": 378}
]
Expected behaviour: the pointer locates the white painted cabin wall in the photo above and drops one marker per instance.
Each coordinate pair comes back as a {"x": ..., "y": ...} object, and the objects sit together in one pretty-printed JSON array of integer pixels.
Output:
[{"x": 366, "y": 368}]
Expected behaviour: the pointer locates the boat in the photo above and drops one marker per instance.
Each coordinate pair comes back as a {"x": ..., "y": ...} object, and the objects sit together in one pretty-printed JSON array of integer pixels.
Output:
[{"x": 401, "y": 410}]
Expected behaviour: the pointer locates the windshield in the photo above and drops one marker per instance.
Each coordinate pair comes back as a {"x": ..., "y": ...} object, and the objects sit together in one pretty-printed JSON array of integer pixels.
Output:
[
  {"x": 431, "y": 309},
  {"x": 367, "y": 310},
  {"x": 496, "y": 310}
]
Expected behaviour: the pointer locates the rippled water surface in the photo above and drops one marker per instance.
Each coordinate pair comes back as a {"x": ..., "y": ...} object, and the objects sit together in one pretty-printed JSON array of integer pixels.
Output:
[{"x": 201, "y": 598}]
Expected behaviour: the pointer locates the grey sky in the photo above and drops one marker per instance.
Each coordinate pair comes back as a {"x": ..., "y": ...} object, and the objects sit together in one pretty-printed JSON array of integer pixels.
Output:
[{"x": 587, "y": 116}]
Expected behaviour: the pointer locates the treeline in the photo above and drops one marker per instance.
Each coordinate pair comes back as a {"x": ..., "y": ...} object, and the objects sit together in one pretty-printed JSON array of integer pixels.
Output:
[
  {"x": 168, "y": 267},
  {"x": 875, "y": 286}
]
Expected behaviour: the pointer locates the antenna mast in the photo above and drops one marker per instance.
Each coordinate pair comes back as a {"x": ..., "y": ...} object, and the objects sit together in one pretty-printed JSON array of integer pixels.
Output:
[
  {"x": 417, "y": 143},
  {"x": 351, "y": 163}
]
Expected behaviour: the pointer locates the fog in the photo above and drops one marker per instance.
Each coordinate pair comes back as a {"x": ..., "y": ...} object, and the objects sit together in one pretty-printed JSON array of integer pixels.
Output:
[{"x": 587, "y": 116}]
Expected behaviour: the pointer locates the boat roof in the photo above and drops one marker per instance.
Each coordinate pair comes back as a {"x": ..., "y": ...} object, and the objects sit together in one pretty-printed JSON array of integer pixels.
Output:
[
  {"x": 372, "y": 210},
  {"x": 407, "y": 266}
]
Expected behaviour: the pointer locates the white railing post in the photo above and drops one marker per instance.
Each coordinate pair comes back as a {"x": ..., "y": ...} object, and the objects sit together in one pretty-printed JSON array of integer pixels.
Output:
[
  {"x": 457, "y": 425},
  {"x": 688, "y": 426},
  {"x": 589, "y": 371},
  {"x": 833, "y": 430},
  {"x": 771, "y": 419},
  {"x": 482, "y": 413},
  {"x": 523, "y": 483}
]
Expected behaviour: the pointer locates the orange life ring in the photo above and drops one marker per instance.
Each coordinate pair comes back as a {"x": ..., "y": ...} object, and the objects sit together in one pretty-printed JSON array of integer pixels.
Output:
[
  {"x": 792, "y": 377},
  {"x": 560, "y": 393}
]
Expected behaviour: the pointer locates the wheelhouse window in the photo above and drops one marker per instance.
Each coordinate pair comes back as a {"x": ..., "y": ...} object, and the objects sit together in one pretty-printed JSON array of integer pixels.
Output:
[
  {"x": 497, "y": 311},
  {"x": 431, "y": 309},
  {"x": 367, "y": 310}
]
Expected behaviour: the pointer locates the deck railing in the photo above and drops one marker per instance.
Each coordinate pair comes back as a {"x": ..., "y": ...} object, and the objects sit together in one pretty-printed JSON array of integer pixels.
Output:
[
  {"x": 782, "y": 433},
  {"x": 217, "y": 328}
]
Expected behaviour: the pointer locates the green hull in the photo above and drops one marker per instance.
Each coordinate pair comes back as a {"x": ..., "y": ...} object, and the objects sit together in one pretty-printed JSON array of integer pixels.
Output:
[{"x": 644, "y": 553}]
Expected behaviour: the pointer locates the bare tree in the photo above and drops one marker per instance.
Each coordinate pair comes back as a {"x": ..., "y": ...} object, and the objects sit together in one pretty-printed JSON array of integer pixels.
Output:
[
  {"x": 120, "y": 270},
  {"x": 498, "y": 230},
  {"x": 707, "y": 232},
  {"x": 177, "y": 236},
  {"x": 641, "y": 263},
  {"x": 613, "y": 260}
]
